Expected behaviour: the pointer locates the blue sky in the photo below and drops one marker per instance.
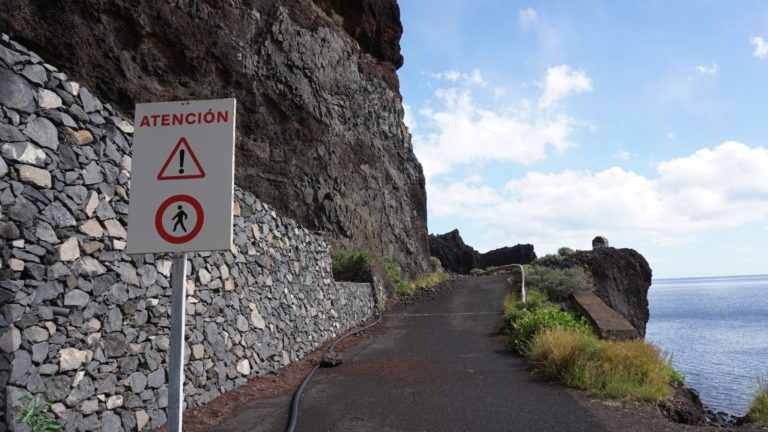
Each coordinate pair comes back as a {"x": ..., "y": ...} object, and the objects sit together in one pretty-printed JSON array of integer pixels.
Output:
[{"x": 551, "y": 122}]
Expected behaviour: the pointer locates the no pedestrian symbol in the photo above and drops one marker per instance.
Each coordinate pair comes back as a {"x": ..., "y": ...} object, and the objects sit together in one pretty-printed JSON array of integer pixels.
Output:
[{"x": 182, "y": 177}]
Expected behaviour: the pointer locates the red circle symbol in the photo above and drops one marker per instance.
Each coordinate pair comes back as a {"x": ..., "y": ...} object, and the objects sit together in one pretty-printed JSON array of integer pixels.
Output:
[{"x": 192, "y": 233}]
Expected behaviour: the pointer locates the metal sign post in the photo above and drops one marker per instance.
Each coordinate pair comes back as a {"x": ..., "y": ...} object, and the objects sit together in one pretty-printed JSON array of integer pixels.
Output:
[
  {"x": 178, "y": 321},
  {"x": 182, "y": 187}
]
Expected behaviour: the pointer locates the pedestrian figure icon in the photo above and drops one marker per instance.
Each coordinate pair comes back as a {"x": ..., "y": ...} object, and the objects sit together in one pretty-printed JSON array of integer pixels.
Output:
[{"x": 179, "y": 217}]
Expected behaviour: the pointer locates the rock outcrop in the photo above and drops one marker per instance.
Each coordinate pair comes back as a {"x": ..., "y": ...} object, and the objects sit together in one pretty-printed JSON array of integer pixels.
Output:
[
  {"x": 517, "y": 254},
  {"x": 458, "y": 257},
  {"x": 621, "y": 279},
  {"x": 454, "y": 255},
  {"x": 320, "y": 121}
]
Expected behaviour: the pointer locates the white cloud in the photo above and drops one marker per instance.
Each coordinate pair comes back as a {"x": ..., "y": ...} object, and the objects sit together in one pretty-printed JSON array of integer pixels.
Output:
[
  {"x": 623, "y": 155},
  {"x": 527, "y": 17},
  {"x": 549, "y": 37},
  {"x": 561, "y": 81},
  {"x": 458, "y": 130},
  {"x": 408, "y": 118},
  {"x": 474, "y": 77},
  {"x": 714, "y": 188},
  {"x": 708, "y": 70},
  {"x": 465, "y": 133},
  {"x": 761, "y": 46},
  {"x": 671, "y": 135}
]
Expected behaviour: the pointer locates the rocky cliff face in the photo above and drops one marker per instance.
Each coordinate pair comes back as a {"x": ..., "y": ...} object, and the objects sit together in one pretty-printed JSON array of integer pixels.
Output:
[
  {"x": 454, "y": 255},
  {"x": 621, "y": 279},
  {"x": 458, "y": 257},
  {"x": 320, "y": 129}
]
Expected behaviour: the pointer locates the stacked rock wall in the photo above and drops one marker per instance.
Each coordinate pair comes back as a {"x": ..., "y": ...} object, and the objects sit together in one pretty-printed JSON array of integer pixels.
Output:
[{"x": 86, "y": 324}]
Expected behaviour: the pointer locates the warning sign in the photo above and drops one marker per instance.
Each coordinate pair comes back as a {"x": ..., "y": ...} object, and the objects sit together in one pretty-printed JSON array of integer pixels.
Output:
[
  {"x": 175, "y": 167},
  {"x": 182, "y": 178}
]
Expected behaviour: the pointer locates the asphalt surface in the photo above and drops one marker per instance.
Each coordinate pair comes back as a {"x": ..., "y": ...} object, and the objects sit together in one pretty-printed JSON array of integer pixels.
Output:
[{"x": 434, "y": 367}]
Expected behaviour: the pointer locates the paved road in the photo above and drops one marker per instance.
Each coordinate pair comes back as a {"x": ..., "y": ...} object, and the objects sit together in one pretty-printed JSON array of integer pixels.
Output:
[{"x": 434, "y": 367}]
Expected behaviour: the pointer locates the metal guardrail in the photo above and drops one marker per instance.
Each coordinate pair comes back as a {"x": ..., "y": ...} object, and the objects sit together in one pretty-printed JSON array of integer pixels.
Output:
[{"x": 509, "y": 267}]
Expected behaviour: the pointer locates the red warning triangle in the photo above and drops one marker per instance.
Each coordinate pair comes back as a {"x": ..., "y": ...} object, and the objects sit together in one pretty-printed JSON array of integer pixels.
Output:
[{"x": 178, "y": 165}]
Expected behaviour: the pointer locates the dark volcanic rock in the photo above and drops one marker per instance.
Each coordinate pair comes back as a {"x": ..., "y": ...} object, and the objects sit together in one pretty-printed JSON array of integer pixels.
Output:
[
  {"x": 517, "y": 254},
  {"x": 621, "y": 278},
  {"x": 685, "y": 407},
  {"x": 454, "y": 255},
  {"x": 320, "y": 126}
]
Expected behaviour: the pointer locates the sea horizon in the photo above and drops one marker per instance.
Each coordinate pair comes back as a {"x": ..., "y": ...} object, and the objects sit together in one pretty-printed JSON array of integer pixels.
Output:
[{"x": 715, "y": 330}]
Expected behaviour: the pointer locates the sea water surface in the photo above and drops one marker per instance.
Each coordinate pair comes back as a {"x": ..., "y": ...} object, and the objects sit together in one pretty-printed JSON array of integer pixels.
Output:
[{"x": 716, "y": 330}]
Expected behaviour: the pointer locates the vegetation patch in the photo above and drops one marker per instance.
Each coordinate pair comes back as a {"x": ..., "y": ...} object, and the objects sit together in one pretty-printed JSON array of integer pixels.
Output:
[
  {"x": 35, "y": 415},
  {"x": 758, "y": 409},
  {"x": 429, "y": 280},
  {"x": 522, "y": 320},
  {"x": 351, "y": 266},
  {"x": 396, "y": 278},
  {"x": 564, "y": 347},
  {"x": 620, "y": 369},
  {"x": 404, "y": 288}
]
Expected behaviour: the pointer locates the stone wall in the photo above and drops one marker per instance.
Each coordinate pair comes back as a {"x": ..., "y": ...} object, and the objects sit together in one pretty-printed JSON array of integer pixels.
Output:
[
  {"x": 86, "y": 324},
  {"x": 321, "y": 138}
]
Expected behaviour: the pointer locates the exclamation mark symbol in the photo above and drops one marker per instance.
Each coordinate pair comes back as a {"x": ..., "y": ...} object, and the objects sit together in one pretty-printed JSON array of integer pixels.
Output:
[{"x": 181, "y": 161}]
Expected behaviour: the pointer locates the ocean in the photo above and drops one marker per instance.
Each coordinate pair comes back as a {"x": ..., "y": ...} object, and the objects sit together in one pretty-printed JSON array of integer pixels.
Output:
[{"x": 716, "y": 330}]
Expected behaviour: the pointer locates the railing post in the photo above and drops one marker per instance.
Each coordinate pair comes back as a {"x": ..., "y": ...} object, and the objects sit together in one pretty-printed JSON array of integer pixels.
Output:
[{"x": 522, "y": 286}]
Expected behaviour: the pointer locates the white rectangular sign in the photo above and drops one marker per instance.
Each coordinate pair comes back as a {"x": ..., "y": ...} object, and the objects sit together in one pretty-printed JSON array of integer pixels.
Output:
[{"x": 182, "y": 177}]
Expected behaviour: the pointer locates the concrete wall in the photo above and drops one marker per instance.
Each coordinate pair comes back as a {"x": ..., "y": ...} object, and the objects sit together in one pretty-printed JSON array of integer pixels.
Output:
[{"x": 88, "y": 325}]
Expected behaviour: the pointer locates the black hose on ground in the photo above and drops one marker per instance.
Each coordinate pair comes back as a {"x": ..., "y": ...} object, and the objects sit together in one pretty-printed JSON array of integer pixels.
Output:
[{"x": 296, "y": 396}]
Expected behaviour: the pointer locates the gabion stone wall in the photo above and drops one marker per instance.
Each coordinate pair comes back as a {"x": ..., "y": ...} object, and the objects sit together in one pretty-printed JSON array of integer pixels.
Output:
[{"x": 86, "y": 324}]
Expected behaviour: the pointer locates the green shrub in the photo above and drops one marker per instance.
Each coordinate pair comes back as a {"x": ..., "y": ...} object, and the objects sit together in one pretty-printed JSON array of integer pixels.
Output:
[
  {"x": 34, "y": 415},
  {"x": 525, "y": 325},
  {"x": 396, "y": 278},
  {"x": 557, "y": 283},
  {"x": 565, "y": 251},
  {"x": 675, "y": 377},
  {"x": 758, "y": 409},
  {"x": 351, "y": 266},
  {"x": 618, "y": 369},
  {"x": 435, "y": 265},
  {"x": 550, "y": 260},
  {"x": 476, "y": 271}
]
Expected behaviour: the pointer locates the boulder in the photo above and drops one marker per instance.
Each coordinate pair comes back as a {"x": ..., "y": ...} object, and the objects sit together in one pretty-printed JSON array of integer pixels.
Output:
[{"x": 621, "y": 279}]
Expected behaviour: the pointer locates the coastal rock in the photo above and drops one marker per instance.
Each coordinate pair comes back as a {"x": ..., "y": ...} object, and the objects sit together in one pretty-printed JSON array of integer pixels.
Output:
[
  {"x": 517, "y": 254},
  {"x": 454, "y": 255},
  {"x": 685, "y": 407},
  {"x": 621, "y": 278}
]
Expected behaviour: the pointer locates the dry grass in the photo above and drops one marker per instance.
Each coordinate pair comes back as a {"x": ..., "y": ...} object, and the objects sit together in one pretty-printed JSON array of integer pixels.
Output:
[
  {"x": 619, "y": 369},
  {"x": 428, "y": 280}
]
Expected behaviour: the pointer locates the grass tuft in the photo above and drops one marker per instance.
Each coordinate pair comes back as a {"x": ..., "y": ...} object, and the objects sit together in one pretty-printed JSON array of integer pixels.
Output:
[
  {"x": 619, "y": 369},
  {"x": 351, "y": 266},
  {"x": 758, "y": 409},
  {"x": 429, "y": 280}
]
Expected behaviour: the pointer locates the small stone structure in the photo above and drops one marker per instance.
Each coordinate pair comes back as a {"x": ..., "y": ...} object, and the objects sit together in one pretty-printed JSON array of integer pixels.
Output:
[
  {"x": 86, "y": 324},
  {"x": 599, "y": 242}
]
